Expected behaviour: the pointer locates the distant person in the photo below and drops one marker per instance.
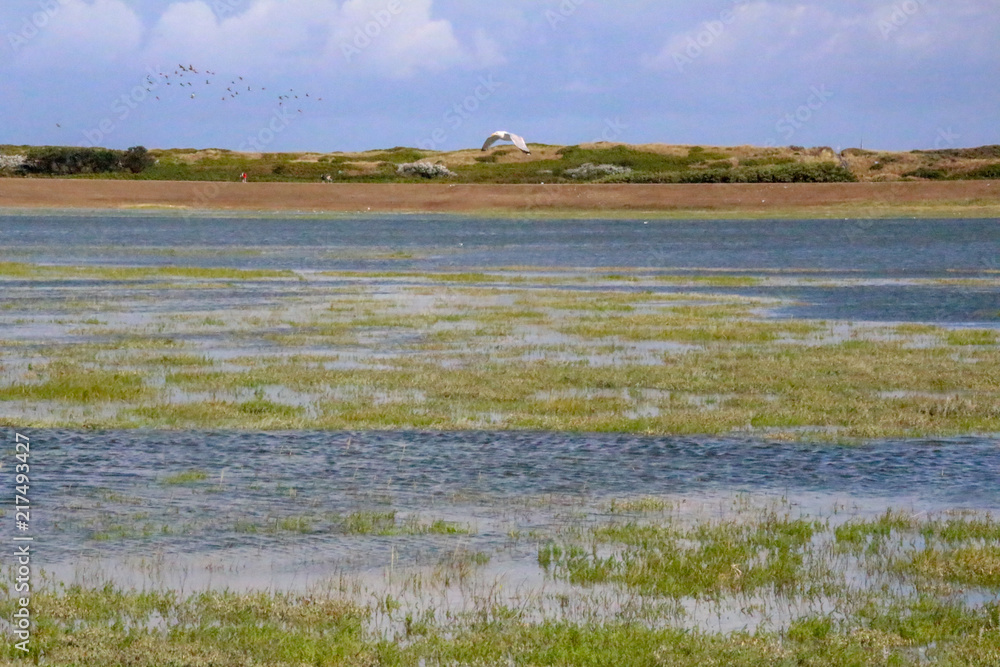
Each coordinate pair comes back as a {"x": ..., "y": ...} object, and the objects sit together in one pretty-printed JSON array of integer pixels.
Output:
[{"x": 243, "y": 177}]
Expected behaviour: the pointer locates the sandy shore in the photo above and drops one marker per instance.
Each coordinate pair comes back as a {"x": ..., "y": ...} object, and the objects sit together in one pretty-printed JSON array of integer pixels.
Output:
[{"x": 960, "y": 198}]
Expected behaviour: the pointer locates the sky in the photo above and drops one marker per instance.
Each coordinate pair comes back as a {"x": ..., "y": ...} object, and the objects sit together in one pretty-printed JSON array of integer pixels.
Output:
[{"x": 444, "y": 74}]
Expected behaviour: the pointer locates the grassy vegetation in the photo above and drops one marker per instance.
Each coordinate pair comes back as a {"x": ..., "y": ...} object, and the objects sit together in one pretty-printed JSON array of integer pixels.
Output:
[
  {"x": 751, "y": 584},
  {"x": 495, "y": 350},
  {"x": 553, "y": 164},
  {"x": 186, "y": 477},
  {"x": 123, "y": 273},
  {"x": 386, "y": 523}
]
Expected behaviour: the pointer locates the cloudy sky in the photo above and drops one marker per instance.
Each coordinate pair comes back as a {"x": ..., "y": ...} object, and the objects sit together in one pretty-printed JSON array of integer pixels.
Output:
[{"x": 443, "y": 74}]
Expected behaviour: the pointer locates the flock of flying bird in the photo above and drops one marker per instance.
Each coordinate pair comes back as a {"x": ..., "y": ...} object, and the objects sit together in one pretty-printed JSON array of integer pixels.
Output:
[
  {"x": 235, "y": 87},
  {"x": 232, "y": 91}
]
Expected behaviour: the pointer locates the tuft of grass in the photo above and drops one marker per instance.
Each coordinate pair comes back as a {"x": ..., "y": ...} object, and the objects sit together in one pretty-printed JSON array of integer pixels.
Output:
[
  {"x": 186, "y": 477},
  {"x": 75, "y": 384},
  {"x": 972, "y": 337}
]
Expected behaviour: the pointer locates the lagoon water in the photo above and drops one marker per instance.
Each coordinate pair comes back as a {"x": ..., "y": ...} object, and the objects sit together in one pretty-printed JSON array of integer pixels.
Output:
[
  {"x": 865, "y": 248},
  {"x": 107, "y": 494},
  {"x": 104, "y": 505},
  {"x": 897, "y": 258}
]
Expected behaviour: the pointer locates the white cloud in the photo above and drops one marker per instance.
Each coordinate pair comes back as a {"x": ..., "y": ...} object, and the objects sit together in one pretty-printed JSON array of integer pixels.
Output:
[
  {"x": 77, "y": 35},
  {"x": 395, "y": 38},
  {"x": 756, "y": 33},
  {"x": 825, "y": 36}
]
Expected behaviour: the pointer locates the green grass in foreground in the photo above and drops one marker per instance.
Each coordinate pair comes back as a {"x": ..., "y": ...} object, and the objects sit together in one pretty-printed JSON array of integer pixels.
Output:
[{"x": 793, "y": 579}]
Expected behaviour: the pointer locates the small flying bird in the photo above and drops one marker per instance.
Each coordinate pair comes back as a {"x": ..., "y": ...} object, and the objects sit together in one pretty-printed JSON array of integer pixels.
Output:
[
  {"x": 192, "y": 96},
  {"x": 503, "y": 135}
]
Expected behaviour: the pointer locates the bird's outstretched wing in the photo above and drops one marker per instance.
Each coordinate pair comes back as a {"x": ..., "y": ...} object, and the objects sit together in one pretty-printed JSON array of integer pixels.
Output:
[
  {"x": 493, "y": 138},
  {"x": 520, "y": 143}
]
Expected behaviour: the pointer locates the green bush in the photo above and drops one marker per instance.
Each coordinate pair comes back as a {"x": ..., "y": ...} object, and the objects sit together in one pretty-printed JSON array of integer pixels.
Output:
[
  {"x": 397, "y": 155},
  {"x": 927, "y": 172},
  {"x": 990, "y": 171},
  {"x": 625, "y": 156},
  {"x": 72, "y": 160},
  {"x": 979, "y": 153},
  {"x": 65, "y": 160},
  {"x": 818, "y": 172},
  {"x": 137, "y": 159}
]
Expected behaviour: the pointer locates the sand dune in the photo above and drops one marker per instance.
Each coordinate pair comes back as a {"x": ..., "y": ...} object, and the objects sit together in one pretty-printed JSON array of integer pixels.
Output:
[{"x": 820, "y": 199}]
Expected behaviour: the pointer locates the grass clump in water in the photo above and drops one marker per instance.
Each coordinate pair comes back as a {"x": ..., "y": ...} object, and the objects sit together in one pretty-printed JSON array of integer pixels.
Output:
[
  {"x": 707, "y": 561},
  {"x": 186, "y": 477},
  {"x": 75, "y": 384},
  {"x": 972, "y": 337}
]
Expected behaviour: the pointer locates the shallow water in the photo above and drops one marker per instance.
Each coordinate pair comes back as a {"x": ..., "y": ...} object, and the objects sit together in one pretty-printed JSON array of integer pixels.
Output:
[
  {"x": 895, "y": 249},
  {"x": 852, "y": 247},
  {"x": 105, "y": 496},
  {"x": 85, "y": 483}
]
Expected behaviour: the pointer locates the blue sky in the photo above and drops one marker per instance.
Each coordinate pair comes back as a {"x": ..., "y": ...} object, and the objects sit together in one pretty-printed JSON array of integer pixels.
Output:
[{"x": 893, "y": 74}]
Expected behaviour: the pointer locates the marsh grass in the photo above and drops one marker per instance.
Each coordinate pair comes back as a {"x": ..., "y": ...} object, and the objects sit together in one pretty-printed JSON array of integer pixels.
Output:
[
  {"x": 972, "y": 337},
  {"x": 457, "y": 355},
  {"x": 71, "y": 383},
  {"x": 708, "y": 561},
  {"x": 125, "y": 273},
  {"x": 186, "y": 477},
  {"x": 795, "y": 595},
  {"x": 386, "y": 523}
]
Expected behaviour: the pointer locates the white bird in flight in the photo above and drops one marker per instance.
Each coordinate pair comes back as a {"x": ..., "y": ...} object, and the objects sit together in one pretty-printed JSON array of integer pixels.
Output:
[{"x": 501, "y": 135}]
